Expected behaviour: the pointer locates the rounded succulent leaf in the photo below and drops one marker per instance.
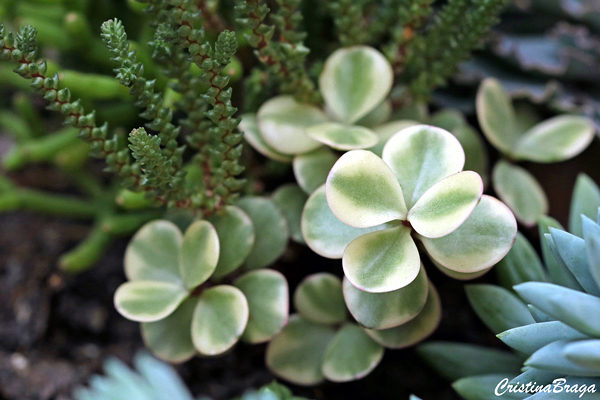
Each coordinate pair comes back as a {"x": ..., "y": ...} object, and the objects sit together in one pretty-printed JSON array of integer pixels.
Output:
[
  {"x": 219, "y": 319},
  {"x": 283, "y": 121},
  {"x": 199, "y": 253},
  {"x": 382, "y": 261},
  {"x": 386, "y": 131},
  {"x": 420, "y": 156},
  {"x": 476, "y": 154},
  {"x": 319, "y": 299},
  {"x": 448, "y": 119},
  {"x": 311, "y": 169},
  {"x": 446, "y": 204},
  {"x": 351, "y": 355},
  {"x": 267, "y": 294},
  {"x": 296, "y": 353},
  {"x": 460, "y": 275},
  {"x": 387, "y": 310},
  {"x": 362, "y": 191},
  {"x": 147, "y": 301},
  {"x": 520, "y": 191},
  {"x": 270, "y": 230},
  {"x": 171, "y": 338},
  {"x": 377, "y": 116},
  {"x": 480, "y": 242},
  {"x": 354, "y": 81},
  {"x": 342, "y": 137},
  {"x": 496, "y": 116},
  {"x": 323, "y": 232},
  {"x": 153, "y": 252},
  {"x": 556, "y": 139},
  {"x": 290, "y": 199},
  {"x": 415, "y": 330},
  {"x": 249, "y": 126},
  {"x": 236, "y": 239}
]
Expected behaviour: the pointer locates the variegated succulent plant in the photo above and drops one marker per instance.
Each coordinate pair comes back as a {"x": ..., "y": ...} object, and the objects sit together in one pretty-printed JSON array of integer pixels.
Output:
[
  {"x": 180, "y": 287},
  {"x": 552, "y": 322},
  {"x": 519, "y": 136}
]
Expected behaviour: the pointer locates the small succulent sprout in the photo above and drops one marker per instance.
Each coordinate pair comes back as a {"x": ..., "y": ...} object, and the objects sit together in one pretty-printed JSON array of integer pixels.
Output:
[
  {"x": 270, "y": 230},
  {"x": 417, "y": 186},
  {"x": 519, "y": 137},
  {"x": 183, "y": 312}
]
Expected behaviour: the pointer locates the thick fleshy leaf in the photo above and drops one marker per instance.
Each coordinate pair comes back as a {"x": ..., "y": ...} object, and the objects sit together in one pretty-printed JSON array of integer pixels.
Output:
[
  {"x": 498, "y": 308},
  {"x": 219, "y": 319},
  {"x": 147, "y": 301},
  {"x": 267, "y": 294},
  {"x": 459, "y": 275},
  {"x": 585, "y": 200},
  {"x": 387, "y": 310},
  {"x": 572, "y": 252},
  {"x": 311, "y": 169},
  {"x": 458, "y": 360},
  {"x": 323, "y": 232},
  {"x": 521, "y": 264},
  {"x": 446, "y": 204},
  {"x": 351, "y": 355},
  {"x": 552, "y": 357},
  {"x": 483, "y": 387},
  {"x": 291, "y": 199},
  {"x": 420, "y": 156},
  {"x": 447, "y": 119},
  {"x": 152, "y": 253},
  {"x": 476, "y": 155},
  {"x": 199, "y": 253},
  {"x": 283, "y": 121},
  {"x": 362, "y": 191},
  {"x": 591, "y": 233},
  {"x": 249, "y": 126},
  {"x": 382, "y": 261},
  {"x": 557, "y": 271},
  {"x": 236, "y": 239},
  {"x": 354, "y": 81},
  {"x": 296, "y": 353},
  {"x": 415, "y": 330},
  {"x": 270, "y": 231},
  {"x": 496, "y": 116},
  {"x": 386, "y": 131},
  {"x": 532, "y": 337},
  {"x": 520, "y": 191},
  {"x": 342, "y": 137},
  {"x": 319, "y": 299},
  {"x": 171, "y": 338},
  {"x": 585, "y": 353},
  {"x": 556, "y": 139},
  {"x": 377, "y": 116},
  {"x": 480, "y": 242},
  {"x": 567, "y": 305}
]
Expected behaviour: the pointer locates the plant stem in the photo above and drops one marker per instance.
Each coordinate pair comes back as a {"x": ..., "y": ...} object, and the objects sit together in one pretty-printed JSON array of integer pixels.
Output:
[
  {"x": 48, "y": 203},
  {"x": 42, "y": 149}
]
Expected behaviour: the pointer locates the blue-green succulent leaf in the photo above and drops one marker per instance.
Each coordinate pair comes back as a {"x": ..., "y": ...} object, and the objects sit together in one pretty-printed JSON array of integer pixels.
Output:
[
  {"x": 552, "y": 357},
  {"x": 521, "y": 264},
  {"x": 585, "y": 200},
  {"x": 532, "y": 337}
]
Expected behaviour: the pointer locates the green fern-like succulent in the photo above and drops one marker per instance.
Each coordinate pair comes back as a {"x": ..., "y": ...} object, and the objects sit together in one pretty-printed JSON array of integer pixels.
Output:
[{"x": 552, "y": 322}]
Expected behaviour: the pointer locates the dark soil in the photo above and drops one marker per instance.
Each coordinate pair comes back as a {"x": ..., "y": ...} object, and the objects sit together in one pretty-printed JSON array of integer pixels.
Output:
[{"x": 56, "y": 330}]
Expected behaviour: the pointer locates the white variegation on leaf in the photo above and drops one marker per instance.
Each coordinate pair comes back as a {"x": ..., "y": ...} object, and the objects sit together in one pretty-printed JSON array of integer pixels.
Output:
[
  {"x": 362, "y": 191},
  {"x": 446, "y": 204},
  {"x": 496, "y": 116},
  {"x": 420, "y": 156},
  {"x": 199, "y": 253},
  {"x": 249, "y": 126},
  {"x": 148, "y": 301},
  {"x": 290, "y": 199},
  {"x": 219, "y": 319},
  {"x": 382, "y": 261},
  {"x": 386, "y": 131},
  {"x": 520, "y": 191},
  {"x": 342, "y": 137},
  {"x": 354, "y": 81},
  {"x": 480, "y": 242},
  {"x": 387, "y": 310},
  {"x": 323, "y": 232},
  {"x": 283, "y": 122}
]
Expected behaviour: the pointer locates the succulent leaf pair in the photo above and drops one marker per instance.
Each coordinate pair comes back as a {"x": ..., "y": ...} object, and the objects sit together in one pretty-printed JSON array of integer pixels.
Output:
[
  {"x": 552, "y": 319},
  {"x": 315, "y": 344},
  {"x": 519, "y": 137},
  {"x": 174, "y": 286},
  {"x": 418, "y": 188}
]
